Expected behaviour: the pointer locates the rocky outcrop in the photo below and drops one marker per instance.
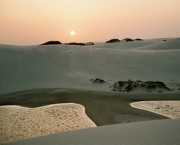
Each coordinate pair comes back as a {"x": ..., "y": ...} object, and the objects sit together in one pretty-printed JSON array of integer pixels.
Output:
[
  {"x": 113, "y": 41},
  {"x": 128, "y": 39},
  {"x": 149, "y": 86},
  {"x": 51, "y": 43},
  {"x": 97, "y": 81}
]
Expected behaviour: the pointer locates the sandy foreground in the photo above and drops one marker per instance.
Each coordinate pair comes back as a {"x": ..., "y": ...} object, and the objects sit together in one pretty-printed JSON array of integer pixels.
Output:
[
  {"x": 17, "y": 123},
  {"x": 169, "y": 109}
]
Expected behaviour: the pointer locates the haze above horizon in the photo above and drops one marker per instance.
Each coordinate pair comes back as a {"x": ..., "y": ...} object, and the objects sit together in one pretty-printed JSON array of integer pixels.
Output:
[{"x": 26, "y": 22}]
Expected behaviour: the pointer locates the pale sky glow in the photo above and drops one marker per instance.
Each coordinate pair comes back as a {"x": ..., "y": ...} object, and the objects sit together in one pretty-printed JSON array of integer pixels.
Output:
[{"x": 26, "y": 22}]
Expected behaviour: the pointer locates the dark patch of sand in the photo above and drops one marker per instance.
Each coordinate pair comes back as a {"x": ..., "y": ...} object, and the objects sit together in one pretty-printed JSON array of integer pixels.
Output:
[{"x": 104, "y": 108}]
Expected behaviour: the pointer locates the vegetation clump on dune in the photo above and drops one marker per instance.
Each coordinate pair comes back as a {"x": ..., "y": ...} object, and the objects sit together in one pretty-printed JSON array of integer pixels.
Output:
[
  {"x": 51, "y": 43},
  {"x": 97, "y": 81},
  {"x": 113, "y": 41},
  {"x": 138, "y": 39},
  {"x": 75, "y": 43},
  {"x": 90, "y": 43},
  {"x": 128, "y": 39},
  {"x": 80, "y": 44},
  {"x": 149, "y": 86}
]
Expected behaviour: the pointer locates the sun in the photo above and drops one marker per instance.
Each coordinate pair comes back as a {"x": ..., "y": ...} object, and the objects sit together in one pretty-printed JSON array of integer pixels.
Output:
[{"x": 72, "y": 33}]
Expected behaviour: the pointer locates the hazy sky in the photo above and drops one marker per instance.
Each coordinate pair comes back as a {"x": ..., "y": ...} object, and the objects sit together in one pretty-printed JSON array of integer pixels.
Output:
[{"x": 26, "y": 22}]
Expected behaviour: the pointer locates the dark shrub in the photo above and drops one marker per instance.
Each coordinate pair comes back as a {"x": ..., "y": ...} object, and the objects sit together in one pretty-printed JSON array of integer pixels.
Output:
[
  {"x": 128, "y": 39},
  {"x": 75, "y": 43},
  {"x": 138, "y": 39},
  {"x": 90, "y": 43},
  {"x": 113, "y": 41},
  {"x": 51, "y": 43}
]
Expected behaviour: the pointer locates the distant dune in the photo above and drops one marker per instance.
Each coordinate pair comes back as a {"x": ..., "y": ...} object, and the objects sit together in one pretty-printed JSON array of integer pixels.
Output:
[
  {"x": 164, "y": 45},
  {"x": 27, "y": 67}
]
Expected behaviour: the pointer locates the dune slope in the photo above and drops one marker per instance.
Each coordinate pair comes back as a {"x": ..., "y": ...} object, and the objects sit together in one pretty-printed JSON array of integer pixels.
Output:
[
  {"x": 27, "y": 67},
  {"x": 17, "y": 123}
]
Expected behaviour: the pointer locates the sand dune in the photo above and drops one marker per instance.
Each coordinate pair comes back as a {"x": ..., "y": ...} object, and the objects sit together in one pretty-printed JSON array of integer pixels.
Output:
[
  {"x": 62, "y": 66},
  {"x": 71, "y": 67},
  {"x": 159, "y": 132},
  {"x": 163, "y": 45},
  {"x": 169, "y": 109},
  {"x": 17, "y": 123}
]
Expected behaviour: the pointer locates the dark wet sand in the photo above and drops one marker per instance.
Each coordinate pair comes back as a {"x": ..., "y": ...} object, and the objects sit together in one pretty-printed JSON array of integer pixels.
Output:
[{"x": 104, "y": 108}]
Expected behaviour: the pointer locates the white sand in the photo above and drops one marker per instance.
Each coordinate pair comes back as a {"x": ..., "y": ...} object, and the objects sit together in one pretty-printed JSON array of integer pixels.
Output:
[
  {"x": 169, "y": 109},
  {"x": 62, "y": 66},
  {"x": 17, "y": 123}
]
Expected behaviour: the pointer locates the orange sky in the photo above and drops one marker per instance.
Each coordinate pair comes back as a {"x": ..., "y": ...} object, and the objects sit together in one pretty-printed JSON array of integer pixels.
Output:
[{"x": 28, "y": 22}]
